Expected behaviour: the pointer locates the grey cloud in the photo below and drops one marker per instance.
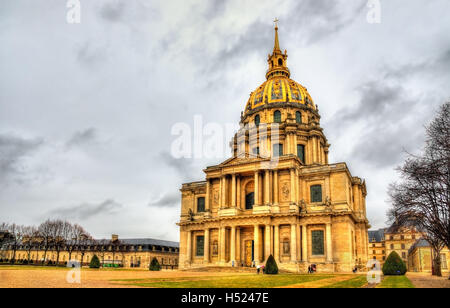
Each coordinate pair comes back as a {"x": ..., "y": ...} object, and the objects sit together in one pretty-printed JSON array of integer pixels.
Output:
[
  {"x": 90, "y": 53},
  {"x": 84, "y": 137},
  {"x": 308, "y": 22},
  {"x": 184, "y": 167},
  {"x": 13, "y": 151},
  {"x": 167, "y": 200},
  {"x": 113, "y": 11},
  {"x": 87, "y": 210}
]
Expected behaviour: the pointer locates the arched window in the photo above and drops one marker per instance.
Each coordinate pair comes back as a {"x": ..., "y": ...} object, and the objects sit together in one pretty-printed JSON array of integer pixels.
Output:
[
  {"x": 277, "y": 116},
  {"x": 301, "y": 152},
  {"x": 249, "y": 201},
  {"x": 280, "y": 62},
  {"x": 200, "y": 205},
  {"x": 298, "y": 117},
  {"x": 257, "y": 120}
]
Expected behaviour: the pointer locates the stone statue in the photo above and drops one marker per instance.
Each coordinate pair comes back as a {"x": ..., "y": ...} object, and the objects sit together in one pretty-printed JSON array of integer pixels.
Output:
[{"x": 190, "y": 215}]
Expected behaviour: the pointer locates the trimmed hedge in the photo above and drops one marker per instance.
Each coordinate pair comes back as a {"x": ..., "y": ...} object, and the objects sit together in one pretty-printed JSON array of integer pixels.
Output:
[
  {"x": 271, "y": 267},
  {"x": 154, "y": 265},
  {"x": 95, "y": 262},
  {"x": 394, "y": 265}
]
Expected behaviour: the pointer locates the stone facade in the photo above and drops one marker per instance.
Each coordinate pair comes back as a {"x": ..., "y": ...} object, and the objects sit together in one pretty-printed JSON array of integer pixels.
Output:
[
  {"x": 384, "y": 241},
  {"x": 277, "y": 195},
  {"x": 420, "y": 257},
  {"x": 136, "y": 253}
]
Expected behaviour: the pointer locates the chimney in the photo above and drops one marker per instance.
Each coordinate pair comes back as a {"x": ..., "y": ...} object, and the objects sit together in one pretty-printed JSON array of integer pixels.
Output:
[{"x": 114, "y": 238}]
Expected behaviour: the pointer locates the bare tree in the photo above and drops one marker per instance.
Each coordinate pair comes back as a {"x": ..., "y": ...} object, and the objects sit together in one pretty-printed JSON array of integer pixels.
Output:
[
  {"x": 422, "y": 198},
  {"x": 46, "y": 236},
  {"x": 30, "y": 236},
  {"x": 58, "y": 238},
  {"x": 82, "y": 239},
  {"x": 15, "y": 240}
]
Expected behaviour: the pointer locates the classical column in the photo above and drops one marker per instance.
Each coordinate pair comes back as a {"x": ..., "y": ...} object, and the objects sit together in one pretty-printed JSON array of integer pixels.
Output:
[
  {"x": 256, "y": 194},
  {"x": 266, "y": 187},
  {"x": 225, "y": 191},
  {"x": 293, "y": 243},
  {"x": 304, "y": 243},
  {"x": 276, "y": 239},
  {"x": 295, "y": 144},
  {"x": 189, "y": 246},
  {"x": 292, "y": 185},
  {"x": 221, "y": 192},
  {"x": 222, "y": 245},
  {"x": 267, "y": 242},
  {"x": 233, "y": 190},
  {"x": 207, "y": 207},
  {"x": 297, "y": 190},
  {"x": 329, "y": 244},
  {"x": 275, "y": 187},
  {"x": 256, "y": 244},
  {"x": 206, "y": 248},
  {"x": 238, "y": 188},
  {"x": 288, "y": 143},
  {"x": 238, "y": 245},
  {"x": 233, "y": 245}
]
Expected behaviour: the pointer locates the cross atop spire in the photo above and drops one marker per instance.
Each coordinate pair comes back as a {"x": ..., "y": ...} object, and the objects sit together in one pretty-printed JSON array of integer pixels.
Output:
[
  {"x": 277, "y": 43},
  {"x": 277, "y": 60}
]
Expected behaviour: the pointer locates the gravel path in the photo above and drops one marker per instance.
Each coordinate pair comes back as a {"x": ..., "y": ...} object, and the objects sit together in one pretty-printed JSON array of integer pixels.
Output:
[
  {"x": 17, "y": 277},
  {"x": 426, "y": 280}
]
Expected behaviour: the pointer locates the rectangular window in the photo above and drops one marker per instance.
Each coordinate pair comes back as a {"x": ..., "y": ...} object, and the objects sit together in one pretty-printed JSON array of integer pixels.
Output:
[
  {"x": 200, "y": 246},
  {"x": 317, "y": 242},
  {"x": 301, "y": 152},
  {"x": 443, "y": 261},
  {"x": 316, "y": 193},
  {"x": 200, "y": 205},
  {"x": 404, "y": 255}
]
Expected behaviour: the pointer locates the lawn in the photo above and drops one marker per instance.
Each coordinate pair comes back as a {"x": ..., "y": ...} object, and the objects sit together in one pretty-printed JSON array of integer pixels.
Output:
[
  {"x": 398, "y": 282},
  {"x": 357, "y": 282},
  {"x": 241, "y": 281}
]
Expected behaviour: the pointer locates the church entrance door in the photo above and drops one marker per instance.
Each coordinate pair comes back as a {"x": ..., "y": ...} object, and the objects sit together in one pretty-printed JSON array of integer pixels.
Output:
[{"x": 248, "y": 253}]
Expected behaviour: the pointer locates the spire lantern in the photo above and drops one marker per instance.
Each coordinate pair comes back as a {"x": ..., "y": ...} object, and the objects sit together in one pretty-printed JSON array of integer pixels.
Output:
[{"x": 277, "y": 60}]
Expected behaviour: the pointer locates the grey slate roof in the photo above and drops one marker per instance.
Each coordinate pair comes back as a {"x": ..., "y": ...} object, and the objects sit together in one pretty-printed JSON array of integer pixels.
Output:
[
  {"x": 378, "y": 235},
  {"x": 419, "y": 243},
  {"x": 148, "y": 241}
]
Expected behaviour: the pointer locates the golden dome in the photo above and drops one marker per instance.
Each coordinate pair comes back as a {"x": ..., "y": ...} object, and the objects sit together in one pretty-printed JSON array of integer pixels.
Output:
[{"x": 279, "y": 88}]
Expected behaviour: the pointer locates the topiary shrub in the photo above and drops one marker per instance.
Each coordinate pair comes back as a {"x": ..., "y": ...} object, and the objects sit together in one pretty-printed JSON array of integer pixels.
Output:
[
  {"x": 154, "y": 265},
  {"x": 271, "y": 267},
  {"x": 95, "y": 262},
  {"x": 394, "y": 265}
]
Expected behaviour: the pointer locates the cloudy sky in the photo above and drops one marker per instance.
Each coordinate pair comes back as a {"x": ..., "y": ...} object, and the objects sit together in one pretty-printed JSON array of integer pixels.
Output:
[{"x": 86, "y": 110}]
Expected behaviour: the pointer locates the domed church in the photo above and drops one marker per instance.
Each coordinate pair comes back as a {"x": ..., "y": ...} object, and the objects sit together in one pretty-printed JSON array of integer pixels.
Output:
[{"x": 277, "y": 195}]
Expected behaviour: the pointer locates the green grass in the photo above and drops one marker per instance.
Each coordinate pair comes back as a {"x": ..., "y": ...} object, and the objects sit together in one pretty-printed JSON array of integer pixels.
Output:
[
  {"x": 241, "y": 281},
  {"x": 399, "y": 282},
  {"x": 356, "y": 282}
]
